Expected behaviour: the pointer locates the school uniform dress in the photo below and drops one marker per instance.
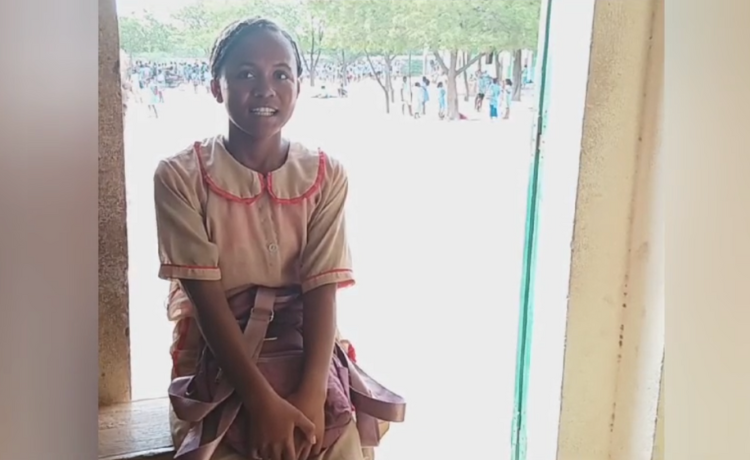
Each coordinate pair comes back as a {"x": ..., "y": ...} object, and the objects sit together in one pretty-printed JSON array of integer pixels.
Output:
[
  {"x": 154, "y": 94},
  {"x": 218, "y": 220}
]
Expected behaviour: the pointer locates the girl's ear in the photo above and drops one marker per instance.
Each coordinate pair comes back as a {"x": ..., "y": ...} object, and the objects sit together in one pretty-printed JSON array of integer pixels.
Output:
[{"x": 216, "y": 90}]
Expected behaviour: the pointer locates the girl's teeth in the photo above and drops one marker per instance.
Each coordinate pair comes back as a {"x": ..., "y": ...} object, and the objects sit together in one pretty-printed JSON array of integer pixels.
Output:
[{"x": 264, "y": 112}]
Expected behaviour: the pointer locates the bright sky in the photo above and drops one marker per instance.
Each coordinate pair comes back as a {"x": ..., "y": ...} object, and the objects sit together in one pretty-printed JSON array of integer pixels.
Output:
[{"x": 158, "y": 7}]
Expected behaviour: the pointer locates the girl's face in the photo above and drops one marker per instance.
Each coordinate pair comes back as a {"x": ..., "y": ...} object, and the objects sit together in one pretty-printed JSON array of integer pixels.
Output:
[{"x": 258, "y": 85}]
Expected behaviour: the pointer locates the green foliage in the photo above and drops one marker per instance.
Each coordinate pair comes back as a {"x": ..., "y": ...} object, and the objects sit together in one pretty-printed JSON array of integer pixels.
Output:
[
  {"x": 198, "y": 24},
  {"x": 379, "y": 27},
  {"x": 139, "y": 35},
  {"x": 483, "y": 25}
]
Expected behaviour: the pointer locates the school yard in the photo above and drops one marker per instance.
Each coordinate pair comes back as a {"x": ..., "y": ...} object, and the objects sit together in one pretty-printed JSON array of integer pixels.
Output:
[{"x": 436, "y": 221}]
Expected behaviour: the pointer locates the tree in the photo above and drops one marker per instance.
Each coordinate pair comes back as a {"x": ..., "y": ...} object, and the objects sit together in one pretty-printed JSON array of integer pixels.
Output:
[
  {"x": 523, "y": 31},
  {"x": 478, "y": 27},
  {"x": 517, "y": 30},
  {"x": 340, "y": 36},
  {"x": 201, "y": 22},
  {"x": 380, "y": 30},
  {"x": 132, "y": 35},
  {"x": 458, "y": 25},
  {"x": 146, "y": 34},
  {"x": 308, "y": 21}
]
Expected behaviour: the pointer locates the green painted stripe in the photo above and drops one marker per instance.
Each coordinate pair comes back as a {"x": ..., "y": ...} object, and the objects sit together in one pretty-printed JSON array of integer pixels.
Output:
[{"x": 523, "y": 351}]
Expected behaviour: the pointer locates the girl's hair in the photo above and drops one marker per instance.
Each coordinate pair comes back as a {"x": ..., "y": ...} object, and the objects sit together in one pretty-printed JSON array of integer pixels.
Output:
[
  {"x": 232, "y": 34},
  {"x": 508, "y": 81},
  {"x": 440, "y": 84}
]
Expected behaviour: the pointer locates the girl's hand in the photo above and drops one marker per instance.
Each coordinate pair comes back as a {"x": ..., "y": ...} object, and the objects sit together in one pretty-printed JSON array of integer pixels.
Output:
[
  {"x": 313, "y": 407},
  {"x": 272, "y": 430}
]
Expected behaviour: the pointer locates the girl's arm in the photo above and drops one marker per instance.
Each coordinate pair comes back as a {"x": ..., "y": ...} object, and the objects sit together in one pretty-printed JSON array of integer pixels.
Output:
[
  {"x": 319, "y": 335},
  {"x": 326, "y": 266}
]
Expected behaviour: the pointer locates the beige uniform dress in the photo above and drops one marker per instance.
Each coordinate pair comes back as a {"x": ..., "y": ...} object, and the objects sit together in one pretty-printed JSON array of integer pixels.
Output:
[{"x": 218, "y": 220}]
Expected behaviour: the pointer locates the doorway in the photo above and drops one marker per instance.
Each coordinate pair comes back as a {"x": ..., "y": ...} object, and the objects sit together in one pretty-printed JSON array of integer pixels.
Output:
[{"x": 437, "y": 213}]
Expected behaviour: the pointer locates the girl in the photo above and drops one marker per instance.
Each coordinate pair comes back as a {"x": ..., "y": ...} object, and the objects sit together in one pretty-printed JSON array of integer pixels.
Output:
[
  {"x": 405, "y": 92},
  {"x": 483, "y": 83},
  {"x": 425, "y": 94},
  {"x": 417, "y": 100},
  {"x": 494, "y": 94},
  {"x": 251, "y": 234},
  {"x": 508, "y": 96},
  {"x": 442, "y": 100},
  {"x": 154, "y": 97}
]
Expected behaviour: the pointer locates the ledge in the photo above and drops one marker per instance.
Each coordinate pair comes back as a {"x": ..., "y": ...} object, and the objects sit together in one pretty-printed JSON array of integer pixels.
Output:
[{"x": 135, "y": 430}]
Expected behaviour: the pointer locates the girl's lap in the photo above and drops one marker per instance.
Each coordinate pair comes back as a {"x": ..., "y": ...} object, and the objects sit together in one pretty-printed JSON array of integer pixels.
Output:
[{"x": 347, "y": 447}]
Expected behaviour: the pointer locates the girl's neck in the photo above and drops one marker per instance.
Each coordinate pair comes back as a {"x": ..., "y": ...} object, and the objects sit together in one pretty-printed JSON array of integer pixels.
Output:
[{"x": 261, "y": 155}]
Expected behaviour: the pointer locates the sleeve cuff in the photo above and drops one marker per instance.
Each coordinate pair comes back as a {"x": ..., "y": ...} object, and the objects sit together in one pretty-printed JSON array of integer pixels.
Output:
[
  {"x": 342, "y": 277},
  {"x": 171, "y": 272}
]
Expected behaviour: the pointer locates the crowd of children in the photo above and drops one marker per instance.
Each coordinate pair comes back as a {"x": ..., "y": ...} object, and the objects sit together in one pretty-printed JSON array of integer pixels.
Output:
[
  {"x": 146, "y": 81},
  {"x": 415, "y": 97}
]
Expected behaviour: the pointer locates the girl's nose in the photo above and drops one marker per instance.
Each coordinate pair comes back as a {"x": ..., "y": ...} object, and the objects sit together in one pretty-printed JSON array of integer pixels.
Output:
[{"x": 262, "y": 89}]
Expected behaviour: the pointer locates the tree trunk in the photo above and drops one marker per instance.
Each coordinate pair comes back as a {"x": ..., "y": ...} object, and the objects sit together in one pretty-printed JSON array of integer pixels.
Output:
[
  {"x": 389, "y": 93},
  {"x": 316, "y": 37},
  {"x": 385, "y": 81},
  {"x": 517, "y": 74},
  {"x": 452, "y": 93},
  {"x": 391, "y": 87},
  {"x": 343, "y": 64},
  {"x": 498, "y": 66},
  {"x": 310, "y": 70},
  {"x": 466, "y": 77},
  {"x": 408, "y": 70},
  {"x": 312, "y": 65},
  {"x": 305, "y": 63},
  {"x": 452, "y": 70}
]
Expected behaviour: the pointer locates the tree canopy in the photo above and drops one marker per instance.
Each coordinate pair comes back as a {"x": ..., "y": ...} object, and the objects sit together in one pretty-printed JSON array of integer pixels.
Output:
[{"x": 376, "y": 27}]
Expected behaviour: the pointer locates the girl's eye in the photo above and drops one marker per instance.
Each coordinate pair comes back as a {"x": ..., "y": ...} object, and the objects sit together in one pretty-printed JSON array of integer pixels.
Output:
[
  {"x": 246, "y": 74},
  {"x": 282, "y": 76}
]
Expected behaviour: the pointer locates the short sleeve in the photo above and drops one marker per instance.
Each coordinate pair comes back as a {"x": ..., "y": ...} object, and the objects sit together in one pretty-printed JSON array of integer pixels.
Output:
[
  {"x": 185, "y": 251},
  {"x": 326, "y": 258}
]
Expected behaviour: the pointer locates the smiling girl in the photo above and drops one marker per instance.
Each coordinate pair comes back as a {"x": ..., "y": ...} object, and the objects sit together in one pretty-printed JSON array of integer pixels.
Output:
[{"x": 252, "y": 236}]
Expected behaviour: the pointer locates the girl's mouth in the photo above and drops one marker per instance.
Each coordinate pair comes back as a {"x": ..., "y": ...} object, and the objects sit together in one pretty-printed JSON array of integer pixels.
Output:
[{"x": 263, "y": 111}]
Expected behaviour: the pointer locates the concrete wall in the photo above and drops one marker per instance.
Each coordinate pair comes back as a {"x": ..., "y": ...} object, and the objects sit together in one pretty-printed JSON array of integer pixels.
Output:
[
  {"x": 708, "y": 351},
  {"x": 642, "y": 337},
  {"x": 614, "y": 338},
  {"x": 114, "y": 345}
]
